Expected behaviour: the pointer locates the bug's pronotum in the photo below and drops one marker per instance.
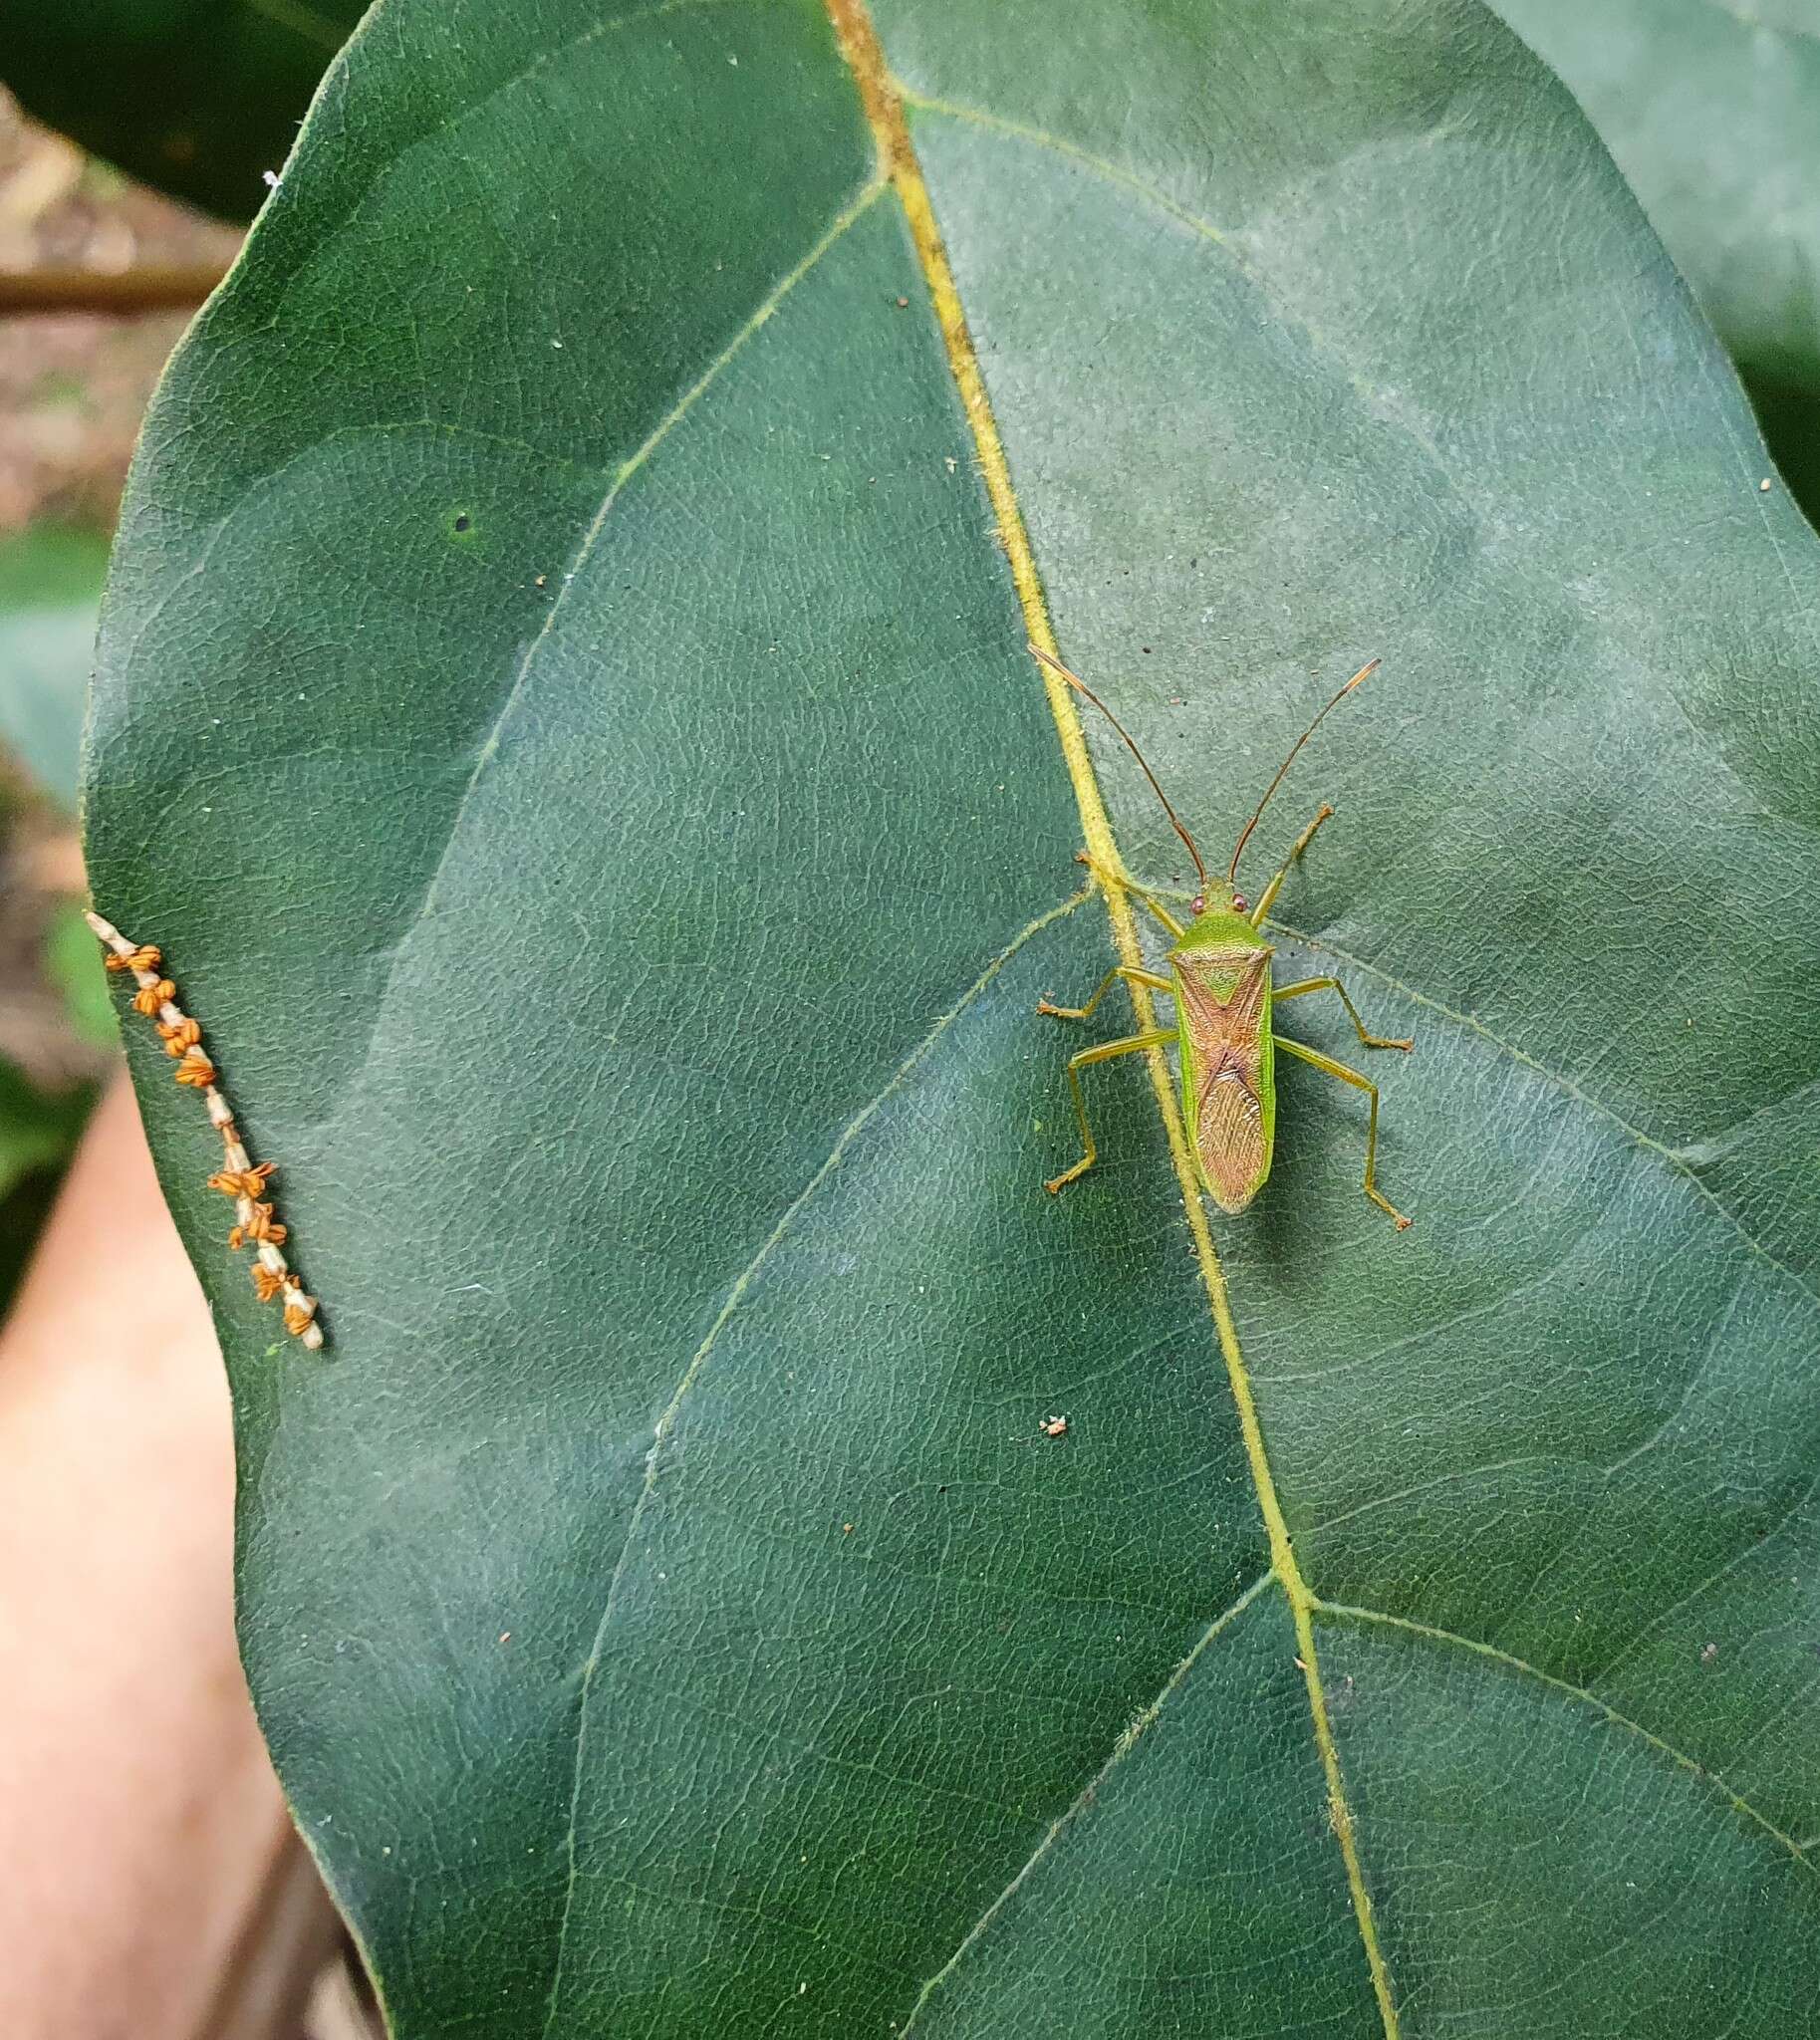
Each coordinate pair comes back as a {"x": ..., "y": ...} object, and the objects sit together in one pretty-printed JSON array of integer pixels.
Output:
[{"x": 239, "y": 1177}]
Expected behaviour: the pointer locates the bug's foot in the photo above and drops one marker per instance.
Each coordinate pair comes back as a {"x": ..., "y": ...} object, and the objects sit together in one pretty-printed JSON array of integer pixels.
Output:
[{"x": 1326, "y": 814}]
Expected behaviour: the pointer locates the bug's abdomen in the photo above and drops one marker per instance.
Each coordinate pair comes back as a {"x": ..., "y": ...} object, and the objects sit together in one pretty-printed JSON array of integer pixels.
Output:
[
  {"x": 1224, "y": 1008},
  {"x": 1229, "y": 1136}
]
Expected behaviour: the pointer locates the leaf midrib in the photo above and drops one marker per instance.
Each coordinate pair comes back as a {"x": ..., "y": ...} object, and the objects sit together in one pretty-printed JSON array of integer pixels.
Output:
[{"x": 880, "y": 95}]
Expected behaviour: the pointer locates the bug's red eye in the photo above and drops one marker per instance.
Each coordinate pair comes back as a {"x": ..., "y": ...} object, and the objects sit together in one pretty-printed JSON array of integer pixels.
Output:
[
  {"x": 1239, "y": 904},
  {"x": 1201, "y": 906}
]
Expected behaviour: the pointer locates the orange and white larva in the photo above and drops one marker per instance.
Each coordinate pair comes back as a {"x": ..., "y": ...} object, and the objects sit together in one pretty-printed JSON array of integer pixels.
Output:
[{"x": 239, "y": 1177}]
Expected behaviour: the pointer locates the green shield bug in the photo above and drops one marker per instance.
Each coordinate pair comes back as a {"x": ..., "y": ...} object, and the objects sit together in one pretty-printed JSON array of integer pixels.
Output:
[{"x": 1219, "y": 978}]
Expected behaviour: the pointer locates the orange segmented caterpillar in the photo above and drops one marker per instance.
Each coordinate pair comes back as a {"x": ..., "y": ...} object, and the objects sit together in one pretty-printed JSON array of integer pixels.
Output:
[{"x": 240, "y": 1179}]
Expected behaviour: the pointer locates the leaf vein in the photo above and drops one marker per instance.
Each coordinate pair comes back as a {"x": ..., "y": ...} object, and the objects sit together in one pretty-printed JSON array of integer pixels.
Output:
[
  {"x": 735, "y": 1295},
  {"x": 490, "y": 746},
  {"x": 1491, "y": 1652},
  {"x": 1129, "y": 1739},
  {"x": 1675, "y": 1161}
]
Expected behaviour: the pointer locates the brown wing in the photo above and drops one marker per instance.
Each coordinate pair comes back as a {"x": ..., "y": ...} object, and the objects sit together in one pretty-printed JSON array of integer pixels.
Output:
[
  {"x": 1229, "y": 1138},
  {"x": 1224, "y": 1006},
  {"x": 1223, "y": 1013}
]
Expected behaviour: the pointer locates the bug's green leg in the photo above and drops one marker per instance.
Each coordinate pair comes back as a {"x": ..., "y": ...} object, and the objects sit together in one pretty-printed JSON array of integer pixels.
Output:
[
  {"x": 1333, "y": 985},
  {"x": 1111, "y": 880},
  {"x": 1302, "y": 842},
  {"x": 1119, "y": 970},
  {"x": 1172, "y": 926},
  {"x": 1157, "y": 1037},
  {"x": 1365, "y": 1084}
]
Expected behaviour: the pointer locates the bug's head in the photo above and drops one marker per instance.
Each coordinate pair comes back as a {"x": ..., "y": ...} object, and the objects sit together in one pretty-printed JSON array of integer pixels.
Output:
[{"x": 1226, "y": 895}]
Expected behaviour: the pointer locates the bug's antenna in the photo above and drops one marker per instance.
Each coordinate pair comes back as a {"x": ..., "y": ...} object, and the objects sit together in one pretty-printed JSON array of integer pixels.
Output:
[
  {"x": 1245, "y": 835},
  {"x": 1080, "y": 686}
]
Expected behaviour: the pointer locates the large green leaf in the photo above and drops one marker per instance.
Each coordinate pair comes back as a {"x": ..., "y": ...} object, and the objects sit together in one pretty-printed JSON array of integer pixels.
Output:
[
  {"x": 564, "y": 712},
  {"x": 1713, "y": 112},
  {"x": 198, "y": 97}
]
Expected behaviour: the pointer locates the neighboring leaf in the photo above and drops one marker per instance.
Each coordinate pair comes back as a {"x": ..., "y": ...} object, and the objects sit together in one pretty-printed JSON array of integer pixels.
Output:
[
  {"x": 74, "y": 966},
  {"x": 564, "y": 717},
  {"x": 196, "y": 97},
  {"x": 49, "y": 591},
  {"x": 36, "y": 1127},
  {"x": 38, "y": 1131},
  {"x": 1714, "y": 114}
]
